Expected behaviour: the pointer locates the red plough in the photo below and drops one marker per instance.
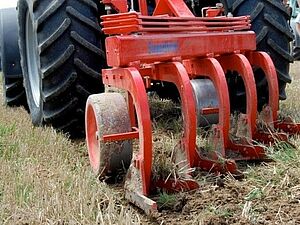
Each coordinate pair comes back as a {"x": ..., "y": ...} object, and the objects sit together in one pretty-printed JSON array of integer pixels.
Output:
[{"x": 174, "y": 46}]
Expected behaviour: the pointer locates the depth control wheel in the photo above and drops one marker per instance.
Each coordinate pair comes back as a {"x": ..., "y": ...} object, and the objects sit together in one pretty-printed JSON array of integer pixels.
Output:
[{"x": 107, "y": 113}]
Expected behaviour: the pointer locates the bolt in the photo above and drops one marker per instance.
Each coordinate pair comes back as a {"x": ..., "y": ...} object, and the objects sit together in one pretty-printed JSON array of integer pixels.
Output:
[
  {"x": 229, "y": 14},
  {"x": 108, "y": 9},
  {"x": 219, "y": 5}
]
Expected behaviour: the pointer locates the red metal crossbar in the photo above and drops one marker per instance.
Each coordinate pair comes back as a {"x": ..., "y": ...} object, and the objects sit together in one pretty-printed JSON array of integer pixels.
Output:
[{"x": 162, "y": 47}]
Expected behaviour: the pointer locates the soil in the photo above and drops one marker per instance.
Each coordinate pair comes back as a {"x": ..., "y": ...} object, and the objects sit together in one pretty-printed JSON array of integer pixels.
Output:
[
  {"x": 226, "y": 205},
  {"x": 223, "y": 200}
]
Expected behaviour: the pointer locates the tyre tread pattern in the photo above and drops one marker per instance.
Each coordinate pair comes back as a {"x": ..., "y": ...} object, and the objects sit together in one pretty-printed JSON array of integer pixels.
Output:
[
  {"x": 14, "y": 92},
  {"x": 77, "y": 15},
  {"x": 53, "y": 7},
  {"x": 59, "y": 61},
  {"x": 60, "y": 31},
  {"x": 80, "y": 40},
  {"x": 86, "y": 69}
]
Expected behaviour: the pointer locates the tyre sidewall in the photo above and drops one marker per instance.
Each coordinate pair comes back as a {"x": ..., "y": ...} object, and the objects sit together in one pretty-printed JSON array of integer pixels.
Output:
[{"x": 36, "y": 111}]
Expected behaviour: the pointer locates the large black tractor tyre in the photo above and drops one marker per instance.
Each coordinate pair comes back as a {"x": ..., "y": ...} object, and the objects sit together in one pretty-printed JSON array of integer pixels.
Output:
[
  {"x": 13, "y": 90},
  {"x": 62, "y": 56},
  {"x": 269, "y": 19}
]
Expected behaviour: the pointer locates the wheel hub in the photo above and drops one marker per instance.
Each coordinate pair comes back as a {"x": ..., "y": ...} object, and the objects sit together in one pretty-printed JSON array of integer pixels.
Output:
[{"x": 32, "y": 60}]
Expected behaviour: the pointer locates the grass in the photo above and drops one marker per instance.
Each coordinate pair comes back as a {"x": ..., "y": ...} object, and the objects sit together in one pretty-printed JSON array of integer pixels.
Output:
[
  {"x": 166, "y": 201},
  {"x": 167, "y": 128},
  {"x": 46, "y": 179}
]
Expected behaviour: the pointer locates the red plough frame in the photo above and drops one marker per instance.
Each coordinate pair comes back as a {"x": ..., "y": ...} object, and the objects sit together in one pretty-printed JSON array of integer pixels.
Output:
[{"x": 174, "y": 46}]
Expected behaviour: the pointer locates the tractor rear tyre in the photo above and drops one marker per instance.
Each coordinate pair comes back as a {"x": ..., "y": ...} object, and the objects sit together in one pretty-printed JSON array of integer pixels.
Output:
[
  {"x": 269, "y": 21},
  {"x": 13, "y": 90},
  {"x": 61, "y": 56}
]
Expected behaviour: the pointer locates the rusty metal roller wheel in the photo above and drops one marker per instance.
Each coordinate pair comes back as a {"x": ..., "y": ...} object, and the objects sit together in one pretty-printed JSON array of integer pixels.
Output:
[
  {"x": 206, "y": 97},
  {"x": 106, "y": 114}
]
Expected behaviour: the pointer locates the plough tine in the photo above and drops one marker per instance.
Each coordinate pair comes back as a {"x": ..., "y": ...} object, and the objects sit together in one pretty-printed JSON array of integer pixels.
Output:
[
  {"x": 176, "y": 73},
  {"x": 240, "y": 64},
  {"x": 211, "y": 68},
  {"x": 263, "y": 60},
  {"x": 138, "y": 180}
]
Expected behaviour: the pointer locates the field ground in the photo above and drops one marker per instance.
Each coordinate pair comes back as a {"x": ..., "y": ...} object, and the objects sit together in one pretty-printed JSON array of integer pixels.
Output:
[{"x": 46, "y": 179}]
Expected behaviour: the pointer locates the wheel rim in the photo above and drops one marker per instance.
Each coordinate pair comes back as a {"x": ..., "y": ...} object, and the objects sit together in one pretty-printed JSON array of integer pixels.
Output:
[
  {"x": 92, "y": 139},
  {"x": 32, "y": 60}
]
